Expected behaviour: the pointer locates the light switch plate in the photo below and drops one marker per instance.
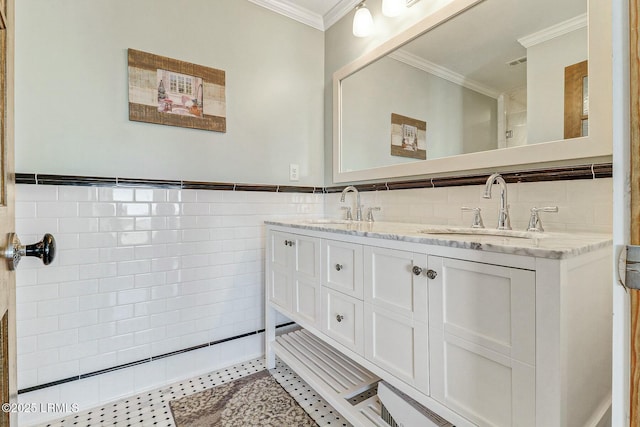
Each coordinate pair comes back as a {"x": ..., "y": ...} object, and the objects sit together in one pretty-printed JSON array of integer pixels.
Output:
[{"x": 294, "y": 172}]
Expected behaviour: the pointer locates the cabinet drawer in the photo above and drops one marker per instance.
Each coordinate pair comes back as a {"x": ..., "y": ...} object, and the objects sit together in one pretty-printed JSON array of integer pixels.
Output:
[
  {"x": 342, "y": 319},
  {"x": 342, "y": 264}
]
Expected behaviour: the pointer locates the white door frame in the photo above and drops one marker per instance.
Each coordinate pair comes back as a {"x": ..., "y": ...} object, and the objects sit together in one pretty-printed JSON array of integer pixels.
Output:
[{"x": 621, "y": 212}]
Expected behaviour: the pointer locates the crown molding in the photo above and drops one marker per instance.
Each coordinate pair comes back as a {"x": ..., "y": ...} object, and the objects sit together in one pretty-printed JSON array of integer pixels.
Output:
[
  {"x": 297, "y": 13},
  {"x": 554, "y": 31},
  {"x": 442, "y": 72},
  {"x": 307, "y": 17},
  {"x": 339, "y": 11}
]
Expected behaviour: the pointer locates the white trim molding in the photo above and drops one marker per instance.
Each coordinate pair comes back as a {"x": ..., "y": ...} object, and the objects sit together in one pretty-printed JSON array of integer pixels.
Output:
[
  {"x": 442, "y": 72},
  {"x": 306, "y": 16},
  {"x": 290, "y": 10},
  {"x": 554, "y": 31},
  {"x": 337, "y": 12}
]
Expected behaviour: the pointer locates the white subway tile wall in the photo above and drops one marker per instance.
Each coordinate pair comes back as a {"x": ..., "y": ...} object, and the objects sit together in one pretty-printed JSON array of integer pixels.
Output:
[
  {"x": 139, "y": 273},
  {"x": 584, "y": 205},
  {"x": 143, "y": 272}
]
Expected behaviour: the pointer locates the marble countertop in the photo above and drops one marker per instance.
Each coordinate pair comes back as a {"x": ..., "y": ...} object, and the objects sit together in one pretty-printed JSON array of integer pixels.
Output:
[{"x": 552, "y": 245}]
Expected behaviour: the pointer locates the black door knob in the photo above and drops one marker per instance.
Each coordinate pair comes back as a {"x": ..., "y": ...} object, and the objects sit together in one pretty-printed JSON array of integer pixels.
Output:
[{"x": 45, "y": 249}]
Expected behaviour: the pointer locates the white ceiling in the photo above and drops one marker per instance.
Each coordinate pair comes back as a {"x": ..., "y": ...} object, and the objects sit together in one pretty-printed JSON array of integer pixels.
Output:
[{"x": 320, "y": 14}]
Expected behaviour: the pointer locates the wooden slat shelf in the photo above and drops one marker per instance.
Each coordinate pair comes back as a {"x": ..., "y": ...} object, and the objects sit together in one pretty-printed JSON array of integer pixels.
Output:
[{"x": 335, "y": 377}]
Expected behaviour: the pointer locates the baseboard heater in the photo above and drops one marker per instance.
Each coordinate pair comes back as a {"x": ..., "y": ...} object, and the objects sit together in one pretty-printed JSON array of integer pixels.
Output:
[{"x": 399, "y": 410}]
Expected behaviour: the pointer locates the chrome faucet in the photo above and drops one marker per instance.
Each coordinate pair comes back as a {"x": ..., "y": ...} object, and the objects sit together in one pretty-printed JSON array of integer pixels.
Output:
[
  {"x": 504, "y": 223},
  {"x": 353, "y": 189}
]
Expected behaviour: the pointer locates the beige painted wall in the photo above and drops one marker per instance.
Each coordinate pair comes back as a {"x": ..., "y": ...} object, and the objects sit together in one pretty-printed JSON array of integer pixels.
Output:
[{"x": 72, "y": 90}]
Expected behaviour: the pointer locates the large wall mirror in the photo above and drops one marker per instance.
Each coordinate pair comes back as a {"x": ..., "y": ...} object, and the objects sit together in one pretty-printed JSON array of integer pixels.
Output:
[{"x": 479, "y": 85}]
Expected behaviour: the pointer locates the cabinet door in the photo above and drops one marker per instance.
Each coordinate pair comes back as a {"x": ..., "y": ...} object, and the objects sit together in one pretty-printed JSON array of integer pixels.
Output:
[
  {"x": 293, "y": 275},
  {"x": 279, "y": 274},
  {"x": 342, "y": 267},
  {"x": 392, "y": 284},
  {"x": 482, "y": 341},
  {"x": 306, "y": 278},
  {"x": 306, "y": 252},
  {"x": 397, "y": 344},
  {"x": 342, "y": 319}
]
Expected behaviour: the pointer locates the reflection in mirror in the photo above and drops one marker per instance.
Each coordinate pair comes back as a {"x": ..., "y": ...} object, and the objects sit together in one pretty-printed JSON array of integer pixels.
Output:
[{"x": 491, "y": 77}]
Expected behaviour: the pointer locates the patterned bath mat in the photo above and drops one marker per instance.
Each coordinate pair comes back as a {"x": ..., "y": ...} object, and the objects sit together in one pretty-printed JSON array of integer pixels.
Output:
[{"x": 254, "y": 400}]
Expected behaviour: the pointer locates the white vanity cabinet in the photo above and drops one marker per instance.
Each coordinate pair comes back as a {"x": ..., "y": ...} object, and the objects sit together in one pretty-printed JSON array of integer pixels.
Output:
[{"x": 493, "y": 332}]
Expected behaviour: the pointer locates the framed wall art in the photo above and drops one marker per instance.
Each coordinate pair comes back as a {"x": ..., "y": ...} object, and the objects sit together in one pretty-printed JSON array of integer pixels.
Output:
[
  {"x": 408, "y": 137},
  {"x": 171, "y": 92}
]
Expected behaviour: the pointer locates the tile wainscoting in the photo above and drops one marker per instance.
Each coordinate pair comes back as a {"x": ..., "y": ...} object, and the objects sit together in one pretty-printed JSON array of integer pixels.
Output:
[
  {"x": 147, "y": 269},
  {"x": 139, "y": 273}
]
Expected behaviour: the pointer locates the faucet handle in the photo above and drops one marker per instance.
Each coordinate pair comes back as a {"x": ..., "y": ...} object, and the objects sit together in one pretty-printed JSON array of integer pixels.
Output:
[
  {"x": 348, "y": 214},
  {"x": 534, "y": 221},
  {"x": 370, "y": 213},
  {"x": 477, "y": 217}
]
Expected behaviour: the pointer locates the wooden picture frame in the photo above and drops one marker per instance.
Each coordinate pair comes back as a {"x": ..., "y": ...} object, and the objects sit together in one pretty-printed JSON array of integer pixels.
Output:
[
  {"x": 171, "y": 92},
  {"x": 576, "y": 100},
  {"x": 408, "y": 137}
]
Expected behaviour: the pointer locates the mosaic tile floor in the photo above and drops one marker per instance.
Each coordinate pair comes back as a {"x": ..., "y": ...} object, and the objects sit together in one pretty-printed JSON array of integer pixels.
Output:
[{"x": 152, "y": 408}]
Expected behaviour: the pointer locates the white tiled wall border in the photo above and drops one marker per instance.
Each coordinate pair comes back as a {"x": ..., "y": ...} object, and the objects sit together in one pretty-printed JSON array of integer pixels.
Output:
[{"x": 142, "y": 272}]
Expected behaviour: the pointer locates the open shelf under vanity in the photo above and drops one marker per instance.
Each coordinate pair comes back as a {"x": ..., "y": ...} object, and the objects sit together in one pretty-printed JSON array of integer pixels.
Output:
[{"x": 351, "y": 389}]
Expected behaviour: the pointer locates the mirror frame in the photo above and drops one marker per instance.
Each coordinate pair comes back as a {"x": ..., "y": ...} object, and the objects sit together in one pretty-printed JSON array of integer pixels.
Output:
[{"x": 596, "y": 147}]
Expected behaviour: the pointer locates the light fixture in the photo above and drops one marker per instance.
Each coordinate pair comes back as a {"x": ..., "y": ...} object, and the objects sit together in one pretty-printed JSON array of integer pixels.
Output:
[
  {"x": 393, "y": 8},
  {"x": 362, "y": 21}
]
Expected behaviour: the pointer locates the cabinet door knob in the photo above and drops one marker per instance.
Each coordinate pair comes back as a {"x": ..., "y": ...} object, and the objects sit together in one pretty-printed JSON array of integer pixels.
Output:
[
  {"x": 431, "y": 274},
  {"x": 339, "y": 267},
  {"x": 417, "y": 270},
  {"x": 339, "y": 317},
  {"x": 286, "y": 243}
]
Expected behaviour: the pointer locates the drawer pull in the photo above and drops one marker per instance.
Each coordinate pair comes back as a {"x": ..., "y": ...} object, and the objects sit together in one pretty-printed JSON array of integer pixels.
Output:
[
  {"x": 431, "y": 274},
  {"x": 339, "y": 267},
  {"x": 339, "y": 317},
  {"x": 417, "y": 270}
]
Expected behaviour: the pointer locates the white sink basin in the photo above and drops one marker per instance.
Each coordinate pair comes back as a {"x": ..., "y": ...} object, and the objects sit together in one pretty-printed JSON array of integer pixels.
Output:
[{"x": 482, "y": 232}]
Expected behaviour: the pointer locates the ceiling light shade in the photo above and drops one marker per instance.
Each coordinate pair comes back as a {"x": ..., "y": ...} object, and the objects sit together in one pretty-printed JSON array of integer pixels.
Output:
[
  {"x": 362, "y": 21},
  {"x": 393, "y": 8}
]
